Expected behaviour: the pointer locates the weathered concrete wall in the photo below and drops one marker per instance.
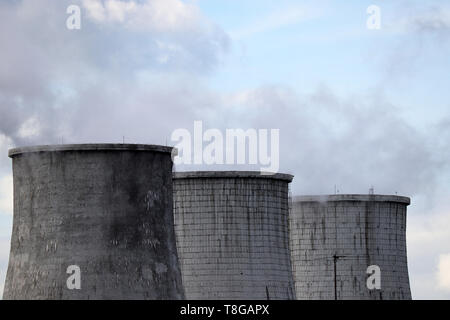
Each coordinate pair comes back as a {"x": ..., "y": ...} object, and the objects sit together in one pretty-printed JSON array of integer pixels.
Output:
[
  {"x": 364, "y": 230},
  {"x": 105, "y": 208},
  {"x": 232, "y": 235}
]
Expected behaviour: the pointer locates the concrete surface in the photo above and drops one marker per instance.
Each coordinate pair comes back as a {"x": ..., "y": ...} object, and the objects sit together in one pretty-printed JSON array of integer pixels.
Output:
[
  {"x": 361, "y": 230},
  {"x": 232, "y": 235},
  {"x": 106, "y": 208}
]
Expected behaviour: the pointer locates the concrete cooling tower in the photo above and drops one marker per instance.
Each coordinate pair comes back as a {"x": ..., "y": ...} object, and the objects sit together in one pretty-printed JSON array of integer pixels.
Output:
[
  {"x": 93, "y": 221},
  {"x": 232, "y": 235},
  {"x": 334, "y": 239}
]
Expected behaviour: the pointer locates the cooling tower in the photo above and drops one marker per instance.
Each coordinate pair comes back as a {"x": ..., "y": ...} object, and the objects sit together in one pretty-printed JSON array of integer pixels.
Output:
[
  {"x": 232, "y": 235},
  {"x": 93, "y": 221},
  {"x": 334, "y": 239}
]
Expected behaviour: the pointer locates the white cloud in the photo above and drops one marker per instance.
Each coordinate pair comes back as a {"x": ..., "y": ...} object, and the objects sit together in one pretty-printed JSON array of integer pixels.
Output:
[
  {"x": 5, "y": 144},
  {"x": 96, "y": 9},
  {"x": 30, "y": 128},
  {"x": 150, "y": 15},
  {"x": 6, "y": 194},
  {"x": 4, "y": 254},
  {"x": 159, "y": 32},
  {"x": 443, "y": 274},
  {"x": 431, "y": 19},
  {"x": 428, "y": 239}
]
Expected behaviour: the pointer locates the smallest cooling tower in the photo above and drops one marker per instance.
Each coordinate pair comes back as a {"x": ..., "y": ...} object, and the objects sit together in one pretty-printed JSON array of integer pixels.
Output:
[
  {"x": 334, "y": 239},
  {"x": 232, "y": 235}
]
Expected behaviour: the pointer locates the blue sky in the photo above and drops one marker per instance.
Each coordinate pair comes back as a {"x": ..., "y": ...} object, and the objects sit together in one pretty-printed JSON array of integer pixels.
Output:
[
  {"x": 333, "y": 47},
  {"x": 355, "y": 107}
]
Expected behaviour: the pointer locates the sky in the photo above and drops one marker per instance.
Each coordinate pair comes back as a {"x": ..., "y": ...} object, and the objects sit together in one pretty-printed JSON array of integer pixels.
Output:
[{"x": 356, "y": 107}]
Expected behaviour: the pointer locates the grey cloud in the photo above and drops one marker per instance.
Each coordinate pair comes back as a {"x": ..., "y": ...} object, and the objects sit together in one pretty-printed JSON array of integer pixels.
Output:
[
  {"x": 415, "y": 34},
  {"x": 325, "y": 139},
  {"x": 435, "y": 19},
  {"x": 74, "y": 81},
  {"x": 354, "y": 143}
]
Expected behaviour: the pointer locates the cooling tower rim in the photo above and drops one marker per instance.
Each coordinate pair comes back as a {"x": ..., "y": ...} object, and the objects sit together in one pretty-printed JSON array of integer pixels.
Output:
[
  {"x": 233, "y": 174},
  {"x": 352, "y": 197},
  {"x": 90, "y": 147}
]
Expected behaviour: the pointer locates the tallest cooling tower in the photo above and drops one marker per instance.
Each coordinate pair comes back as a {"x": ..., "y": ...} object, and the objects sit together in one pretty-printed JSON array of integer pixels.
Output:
[
  {"x": 339, "y": 243},
  {"x": 93, "y": 221}
]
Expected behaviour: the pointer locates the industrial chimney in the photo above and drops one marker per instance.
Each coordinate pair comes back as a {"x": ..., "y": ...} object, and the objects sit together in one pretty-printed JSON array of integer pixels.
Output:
[
  {"x": 232, "y": 235},
  {"x": 93, "y": 221},
  {"x": 340, "y": 244}
]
